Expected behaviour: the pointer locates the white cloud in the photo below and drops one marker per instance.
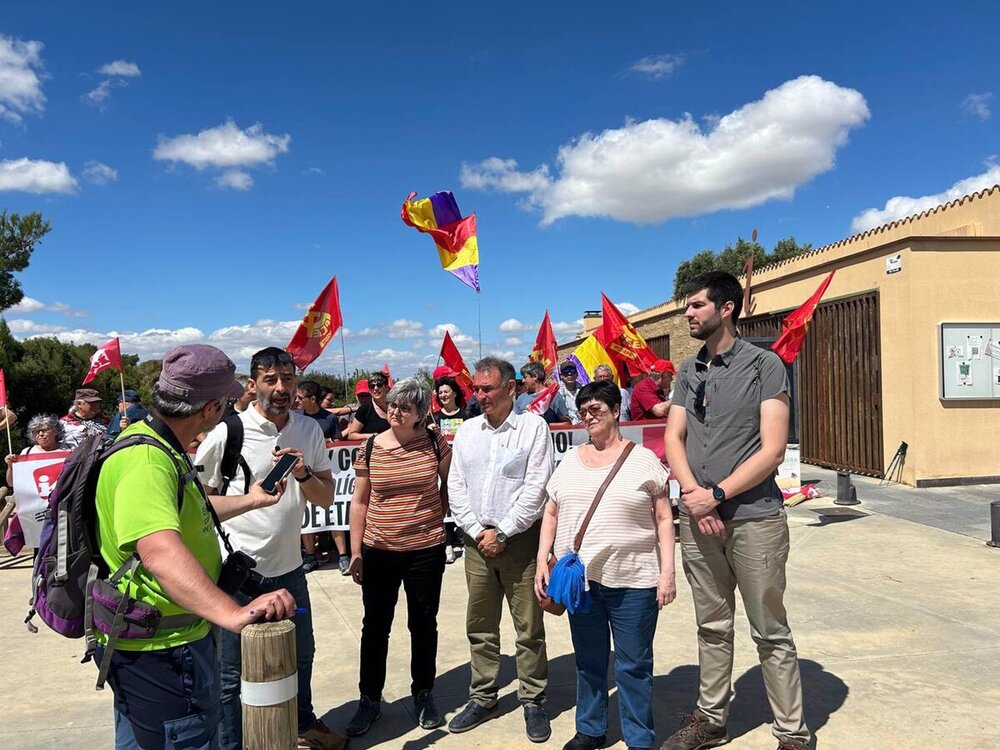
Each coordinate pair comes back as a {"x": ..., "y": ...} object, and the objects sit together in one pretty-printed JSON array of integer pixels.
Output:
[
  {"x": 314, "y": 170},
  {"x": 512, "y": 341},
  {"x": 20, "y": 78},
  {"x": 978, "y": 105},
  {"x": 32, "y": 305},
  {"x": 513, "y": 325},
  {"x": 659, "y": 169},
  {"x": 31, "y": 328},
  {"x": 902, "y": 206},
  {"x": 405, "y": 329},
  {"x": 225, "y": 146},
  {"x": 99, "y": 94},
  {"x": 234, "y": 179},
  {"x": 120, "y": 68},
  {"x": 657, "y": 66},
  {"x": 98, "y": 173},
  {"x": 36, "y": 176},
  {"x": 627, "y": 308},
  {"x": 572, "y": 327}
]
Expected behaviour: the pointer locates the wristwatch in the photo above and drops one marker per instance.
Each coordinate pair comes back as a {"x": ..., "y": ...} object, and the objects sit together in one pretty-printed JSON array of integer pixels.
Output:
[
  {"x": 306, "y": 478},
  {"x": 718, "y": 493},
  {"x": 501, "y": 537}
]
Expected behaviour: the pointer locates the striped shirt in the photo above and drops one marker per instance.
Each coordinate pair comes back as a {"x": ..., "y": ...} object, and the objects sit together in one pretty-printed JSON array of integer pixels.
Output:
[
  {"x": 404, "y": 507},
  {"x": 619, "y": 549}
]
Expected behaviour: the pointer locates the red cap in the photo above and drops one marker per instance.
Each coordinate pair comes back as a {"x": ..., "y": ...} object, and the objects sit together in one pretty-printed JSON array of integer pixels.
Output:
[
  {"x": 443, "y": 372},
  {"x": 664, "y": 365},
  {"x": 361, "y": 387}
]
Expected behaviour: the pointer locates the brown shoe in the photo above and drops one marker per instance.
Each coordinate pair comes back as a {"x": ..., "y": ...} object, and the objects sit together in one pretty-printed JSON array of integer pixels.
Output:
[
  {"x": 320, "y": 737},
  {"x": 792, "y": 745},
  {"x": 698, "y": 734}
]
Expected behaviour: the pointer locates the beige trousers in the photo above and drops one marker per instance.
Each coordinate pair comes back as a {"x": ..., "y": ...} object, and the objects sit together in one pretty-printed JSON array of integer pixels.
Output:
[
  {"x": 490, "y": 581},
  {"x": 751, "y": 557}
]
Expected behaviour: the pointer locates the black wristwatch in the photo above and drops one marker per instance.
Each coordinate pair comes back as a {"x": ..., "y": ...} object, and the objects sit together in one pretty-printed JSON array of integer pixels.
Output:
[
  {"x": 501, "y": 537},
  {"x": 718, "y": 493},
  {"x": 306, "y": 478}
]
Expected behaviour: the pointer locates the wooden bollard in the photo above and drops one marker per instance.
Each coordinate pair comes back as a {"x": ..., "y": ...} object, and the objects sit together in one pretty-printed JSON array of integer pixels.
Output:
[{"x": 270, "y": 686}]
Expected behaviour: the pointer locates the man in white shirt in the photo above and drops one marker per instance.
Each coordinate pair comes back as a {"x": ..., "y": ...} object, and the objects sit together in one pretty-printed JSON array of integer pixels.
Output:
[
  {"x": 501, "y": 461},
  {"x": 567, "y": 390},
  {"x": 271, "y": 535}
]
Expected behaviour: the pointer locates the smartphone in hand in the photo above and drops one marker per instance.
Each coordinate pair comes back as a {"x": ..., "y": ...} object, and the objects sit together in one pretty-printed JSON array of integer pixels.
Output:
[{"x": 281, "y": 470}]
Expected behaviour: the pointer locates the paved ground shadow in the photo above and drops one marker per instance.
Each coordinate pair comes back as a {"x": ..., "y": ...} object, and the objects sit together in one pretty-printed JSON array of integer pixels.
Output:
[
  {"x": 451, "y": 690},
  {"x": 823, "y": 694}
]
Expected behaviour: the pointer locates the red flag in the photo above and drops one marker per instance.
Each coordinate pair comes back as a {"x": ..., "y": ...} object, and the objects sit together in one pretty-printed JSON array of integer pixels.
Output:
[
  {"x": 3, "y": 390},
  {"x": 109, "y": 355},
  {"x": 546, "y": 349},
  {"x": 541, "y": 403},
  {"x": 388, "y": 373},
  {"x": 622, "y": 342},
  {"x": 451, "y": 356},
  {"x": 794, "y": 327},
  {"x": 317, "y": 327}
]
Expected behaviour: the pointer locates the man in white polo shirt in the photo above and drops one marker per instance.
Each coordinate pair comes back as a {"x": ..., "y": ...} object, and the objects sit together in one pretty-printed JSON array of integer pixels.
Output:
[{"x": 271, "y": 535}]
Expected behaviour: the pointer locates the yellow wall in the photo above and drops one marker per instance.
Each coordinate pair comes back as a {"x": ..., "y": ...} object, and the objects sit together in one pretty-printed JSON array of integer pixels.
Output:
[{"x": 951, "y": 273}]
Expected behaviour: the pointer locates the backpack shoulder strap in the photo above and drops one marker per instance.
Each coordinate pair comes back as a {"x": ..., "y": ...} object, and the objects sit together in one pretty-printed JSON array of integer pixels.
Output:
[
  {"x": 183, "y": 475},
  {"x": 232, "y": 454},
  {"x": 434, "y": 444}
]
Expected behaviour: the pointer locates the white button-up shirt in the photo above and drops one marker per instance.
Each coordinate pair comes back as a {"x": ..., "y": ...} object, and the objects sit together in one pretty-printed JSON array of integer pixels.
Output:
[{"x": 498, "y": 476}]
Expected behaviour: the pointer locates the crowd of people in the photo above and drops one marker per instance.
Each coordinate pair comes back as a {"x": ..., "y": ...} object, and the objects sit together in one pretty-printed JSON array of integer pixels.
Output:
[{"x": 486, "y": 461}]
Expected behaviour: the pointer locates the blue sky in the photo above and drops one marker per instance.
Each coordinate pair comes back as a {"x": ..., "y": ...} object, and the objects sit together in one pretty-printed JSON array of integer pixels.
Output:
[{"x": 208, "y": 166}]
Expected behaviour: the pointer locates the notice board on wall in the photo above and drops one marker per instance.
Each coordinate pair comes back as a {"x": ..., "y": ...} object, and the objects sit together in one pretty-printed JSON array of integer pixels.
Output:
[{"x": 970, "y": 360}]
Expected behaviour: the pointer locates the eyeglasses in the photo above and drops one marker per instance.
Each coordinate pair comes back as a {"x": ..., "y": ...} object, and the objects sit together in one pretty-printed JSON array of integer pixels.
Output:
[
  {"x": 596, "y": 410},
  {"x": 401, "y": 408},
  {"x": 377, "y": 383},
  {"x": 701, "y": 399}
]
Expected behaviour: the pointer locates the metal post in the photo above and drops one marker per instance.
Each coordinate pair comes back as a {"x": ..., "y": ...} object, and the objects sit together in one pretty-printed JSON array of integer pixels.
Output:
[
  {"x": 847, "y": 493},
  {"x": 994, "y": 524}
]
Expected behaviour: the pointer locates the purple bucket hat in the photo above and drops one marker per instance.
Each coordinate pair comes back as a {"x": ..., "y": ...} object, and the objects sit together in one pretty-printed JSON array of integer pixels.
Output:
[{"x": 199, "y": 372}]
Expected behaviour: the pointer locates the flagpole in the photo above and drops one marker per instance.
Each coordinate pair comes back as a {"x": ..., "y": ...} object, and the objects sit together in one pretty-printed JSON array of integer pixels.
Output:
[
  {"x": 479, "y": 305},
  {"x": 121, "y": 378},
  {"x": 343, "y": 351},
  {"x": 6, "y": 421}
]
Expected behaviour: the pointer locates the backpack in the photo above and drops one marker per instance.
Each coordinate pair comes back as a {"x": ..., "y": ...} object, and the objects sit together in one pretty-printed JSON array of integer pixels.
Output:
[{"x": 68, "y": 565}]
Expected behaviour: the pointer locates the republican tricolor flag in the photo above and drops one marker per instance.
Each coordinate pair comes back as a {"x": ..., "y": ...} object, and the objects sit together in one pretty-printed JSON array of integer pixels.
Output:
[
  {"x": 109, "y": 355},
  {"x": 454, "y": 235},
  {"x": 317, "y": 327}
]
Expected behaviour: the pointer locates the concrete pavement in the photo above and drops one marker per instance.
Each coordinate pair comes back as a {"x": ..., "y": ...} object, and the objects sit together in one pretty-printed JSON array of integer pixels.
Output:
[{"x": 895, "y": 621}]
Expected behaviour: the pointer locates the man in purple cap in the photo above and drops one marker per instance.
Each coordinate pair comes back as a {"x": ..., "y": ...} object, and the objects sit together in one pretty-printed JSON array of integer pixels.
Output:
[{"x": 167, "y": 686}]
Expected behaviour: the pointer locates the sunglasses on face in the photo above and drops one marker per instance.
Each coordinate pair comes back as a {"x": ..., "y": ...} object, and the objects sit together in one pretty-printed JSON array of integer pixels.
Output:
[
  {"x": 377, "y": 383},
  {"x": 272, "y": 360},
  {"x": 596, "y": 410}
]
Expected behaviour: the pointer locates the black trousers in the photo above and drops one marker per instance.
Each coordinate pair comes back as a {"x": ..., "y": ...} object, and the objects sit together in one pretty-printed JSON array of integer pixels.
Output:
[{"x": 420, "y": 572}]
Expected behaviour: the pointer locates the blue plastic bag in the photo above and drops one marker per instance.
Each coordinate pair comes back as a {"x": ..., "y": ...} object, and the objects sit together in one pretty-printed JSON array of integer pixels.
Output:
[{"x": 568, "y": 584}]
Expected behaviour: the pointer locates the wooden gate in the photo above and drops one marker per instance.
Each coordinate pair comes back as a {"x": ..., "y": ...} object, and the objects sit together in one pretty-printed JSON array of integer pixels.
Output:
[{"x": 839, "y": 383}]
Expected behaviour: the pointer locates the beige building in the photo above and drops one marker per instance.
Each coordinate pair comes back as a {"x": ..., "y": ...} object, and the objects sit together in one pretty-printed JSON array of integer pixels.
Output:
[{"x": 875, "y": 371}]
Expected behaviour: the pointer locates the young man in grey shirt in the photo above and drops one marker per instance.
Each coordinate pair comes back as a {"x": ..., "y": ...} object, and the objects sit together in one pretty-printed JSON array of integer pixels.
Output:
[{"x": 724, "y": 441}]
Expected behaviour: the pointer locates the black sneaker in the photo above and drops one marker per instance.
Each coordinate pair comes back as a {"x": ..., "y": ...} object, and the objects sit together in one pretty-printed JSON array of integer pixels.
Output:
[
  {"x": 536, "y": 723},
  {"x": 585, "y": 742},
  {"x": 309, "y": 563},
  {"x": 427, "y": 712},
  {"x": 698, "y": 734},
  {"x": 368, "y": 713},
  {"x": 471, "y": 717}
]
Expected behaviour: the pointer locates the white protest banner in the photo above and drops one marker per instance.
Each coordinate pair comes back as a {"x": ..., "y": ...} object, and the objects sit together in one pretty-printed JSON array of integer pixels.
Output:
[
  {"x": 35, "y": 476},
  {"x": 343, "y": 454}
]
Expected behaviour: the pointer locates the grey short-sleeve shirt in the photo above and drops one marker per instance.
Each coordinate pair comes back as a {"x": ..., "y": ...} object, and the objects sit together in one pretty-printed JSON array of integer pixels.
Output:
[{"x": 722, "y": 399}]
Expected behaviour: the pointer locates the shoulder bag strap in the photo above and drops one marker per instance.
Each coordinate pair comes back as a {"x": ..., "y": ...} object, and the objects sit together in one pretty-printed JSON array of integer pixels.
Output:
[{"x": 578, "y": 539}]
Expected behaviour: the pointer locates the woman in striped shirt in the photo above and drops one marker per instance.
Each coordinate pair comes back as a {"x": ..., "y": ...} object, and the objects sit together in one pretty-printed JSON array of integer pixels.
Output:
[
  {"x": 398, "y": 537},
  {"x": 628, "y": 551}
]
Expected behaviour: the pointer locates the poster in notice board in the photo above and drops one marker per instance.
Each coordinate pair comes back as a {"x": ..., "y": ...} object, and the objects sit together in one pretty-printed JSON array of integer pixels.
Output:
[{"x": 970, "y": 361}]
